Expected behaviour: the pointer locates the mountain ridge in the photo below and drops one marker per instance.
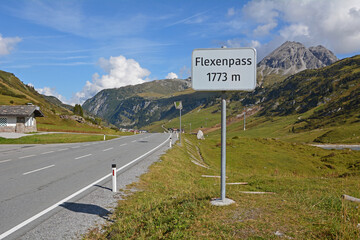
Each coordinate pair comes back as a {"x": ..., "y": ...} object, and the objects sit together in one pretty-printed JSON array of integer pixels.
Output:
[
  {"x": 139, "y": 105},
  {"x": 293, "y": 57},
  {"x": 122, "y": 106}
]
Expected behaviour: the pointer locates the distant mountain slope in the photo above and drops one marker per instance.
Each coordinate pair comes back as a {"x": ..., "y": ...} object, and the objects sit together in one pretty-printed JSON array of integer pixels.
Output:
[
  {"x": 142, "y": 104},
  {"x": 56, "y": 101},
  {"x": 291, "y": 58},
  {"x": 108, "y": 99},
  {"x": 333, "y": 92}
]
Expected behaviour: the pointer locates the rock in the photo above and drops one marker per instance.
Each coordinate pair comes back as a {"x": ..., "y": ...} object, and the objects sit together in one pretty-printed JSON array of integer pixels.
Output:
[
  {"x": 200, "y": 135},
  {"x": 74, "y": 118}
]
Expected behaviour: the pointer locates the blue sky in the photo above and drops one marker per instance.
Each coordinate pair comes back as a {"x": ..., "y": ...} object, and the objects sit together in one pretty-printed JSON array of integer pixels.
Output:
[{"x": 73, "y": 49}]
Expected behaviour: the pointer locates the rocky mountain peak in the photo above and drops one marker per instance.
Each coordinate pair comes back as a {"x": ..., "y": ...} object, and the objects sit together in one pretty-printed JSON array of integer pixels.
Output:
[
  {"x": 293, "y": 57},
  {"x": 324, "y": 55}
]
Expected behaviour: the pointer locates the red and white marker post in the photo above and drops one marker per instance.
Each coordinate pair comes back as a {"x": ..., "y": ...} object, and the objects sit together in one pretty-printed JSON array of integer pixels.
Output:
[{"x": 113, "y": 177}]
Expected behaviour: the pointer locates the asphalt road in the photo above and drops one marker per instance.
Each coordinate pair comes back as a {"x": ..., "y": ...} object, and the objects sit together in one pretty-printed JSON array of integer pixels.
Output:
[{"x": 36, "y": 179}]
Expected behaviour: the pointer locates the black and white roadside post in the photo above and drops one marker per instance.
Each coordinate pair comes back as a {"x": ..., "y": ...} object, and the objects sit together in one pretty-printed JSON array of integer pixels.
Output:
[
  {"x": 113, "y": 166},
  {"x": 223, "y": 69},
  {"x": 178, "y": 105}
]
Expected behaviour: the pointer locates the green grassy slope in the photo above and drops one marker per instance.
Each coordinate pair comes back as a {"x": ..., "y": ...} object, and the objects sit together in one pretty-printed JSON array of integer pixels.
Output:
[
  {"x": 14, "y": 92},
  {"x": 305, "y": 185},
  {"x": 320, "y": 106}
]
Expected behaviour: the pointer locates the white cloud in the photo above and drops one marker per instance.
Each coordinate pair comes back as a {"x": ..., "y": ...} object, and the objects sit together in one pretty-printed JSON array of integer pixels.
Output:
[
  {"x": 237, "y": 43},
  {"x": 255, "y": 44},
  {"x": 194, "y": 19},
  {"x": 334, "y": 24},
  {"x": 71, "y": 17},
  {"x": 171, "y": 75},
  {"x": 121, "y": 72},
  {"x": 47, "y": 91},
  {"x": 262, "y": 11},
  {"x": 184, "y": 72},
  {"x": 231, "y": 12},
  {"x": 8, "y": 44},
  {"x": 264, "y": 29},
  {"x": 295, "y": 30}
]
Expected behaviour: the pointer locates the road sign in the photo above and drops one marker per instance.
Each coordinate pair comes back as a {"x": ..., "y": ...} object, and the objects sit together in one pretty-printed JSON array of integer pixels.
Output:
[
  {"x": 223, "y": 69},
  {"x": 178, "y": 105}
]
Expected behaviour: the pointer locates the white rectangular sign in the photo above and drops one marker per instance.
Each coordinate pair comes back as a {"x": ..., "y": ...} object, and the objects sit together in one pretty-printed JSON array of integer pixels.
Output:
[{"x": 223, "y": 69}]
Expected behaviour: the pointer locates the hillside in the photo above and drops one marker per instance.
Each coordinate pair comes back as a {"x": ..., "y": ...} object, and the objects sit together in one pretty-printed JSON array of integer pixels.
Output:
[
  {"x": 140, "y": 105},
  {"x": 319, "y": 105},
  {"x": 333, "y": 92},
  {"x": 15, "y": 92},
  {"x": 57, "y": 102}
]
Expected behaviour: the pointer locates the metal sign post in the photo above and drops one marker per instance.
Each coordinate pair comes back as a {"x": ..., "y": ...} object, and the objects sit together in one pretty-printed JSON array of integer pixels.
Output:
[
  {"x": 225, "y": 69},
  {"x": 178, "y": 105},
  {"x": 223, "y": 147}
]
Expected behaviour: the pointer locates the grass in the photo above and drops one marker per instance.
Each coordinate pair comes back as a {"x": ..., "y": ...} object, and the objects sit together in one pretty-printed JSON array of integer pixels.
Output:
[
  {"x": 173, "y": 200},
  {"x": 285, "y": 128},
  {"x": 56, "y": 138}
]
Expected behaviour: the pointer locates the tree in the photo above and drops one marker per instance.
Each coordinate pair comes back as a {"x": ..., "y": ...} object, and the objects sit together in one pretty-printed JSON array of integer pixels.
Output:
[{"x": 78, "y": 110}]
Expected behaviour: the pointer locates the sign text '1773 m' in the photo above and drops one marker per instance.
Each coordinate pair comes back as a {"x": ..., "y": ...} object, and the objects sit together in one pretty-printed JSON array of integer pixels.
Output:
[{"x": 218, "y": 76}]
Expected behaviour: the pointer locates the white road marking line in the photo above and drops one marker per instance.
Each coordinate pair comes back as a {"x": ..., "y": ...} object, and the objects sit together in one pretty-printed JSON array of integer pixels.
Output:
[
  {"x": 124, "y": 144},
  {"x": 133, "y": 141},
  {"x": 64, "y": 149},
  {"x": 75, "y": 147},
  {"x": 7, "y": 160},
  {"x": 107, "y": 149},
  {"x": 33, "y": 218},
  {"x": 47, "y": 152},
  {"x": 38, "y": 170},
  {"x": 27, "y": 156},
  {"x": 87, "y": 145},
  {"x": 83, "y": 156}
]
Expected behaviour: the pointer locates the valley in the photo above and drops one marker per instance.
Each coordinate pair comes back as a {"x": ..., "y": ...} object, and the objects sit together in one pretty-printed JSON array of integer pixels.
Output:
[
  {"x": 283, "y": 185},
  {"x": 180, "y": 119}
]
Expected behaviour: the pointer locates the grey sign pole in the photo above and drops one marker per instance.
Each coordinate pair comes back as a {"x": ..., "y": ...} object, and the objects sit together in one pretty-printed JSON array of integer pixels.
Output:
[{"x": 223, "y": 146}]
